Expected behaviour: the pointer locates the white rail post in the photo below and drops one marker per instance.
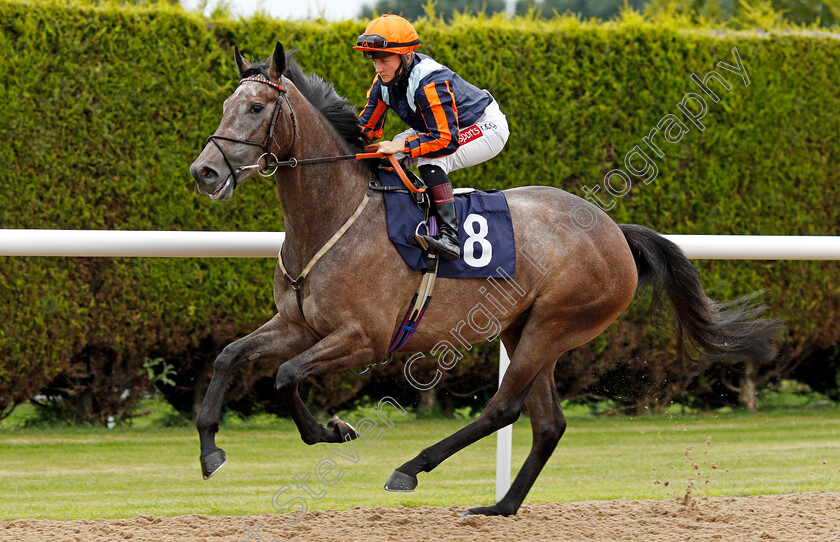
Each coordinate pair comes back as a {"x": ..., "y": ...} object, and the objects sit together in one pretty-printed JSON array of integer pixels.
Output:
[{"x": 504, "y": 439}]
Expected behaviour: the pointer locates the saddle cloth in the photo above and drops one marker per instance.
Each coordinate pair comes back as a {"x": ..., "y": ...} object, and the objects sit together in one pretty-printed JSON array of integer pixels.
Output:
[{"x": 485, "y": 232}]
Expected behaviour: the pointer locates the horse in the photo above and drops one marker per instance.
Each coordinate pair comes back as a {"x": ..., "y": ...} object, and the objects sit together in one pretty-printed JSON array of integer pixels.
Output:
[{"x": 347, "y": 301}]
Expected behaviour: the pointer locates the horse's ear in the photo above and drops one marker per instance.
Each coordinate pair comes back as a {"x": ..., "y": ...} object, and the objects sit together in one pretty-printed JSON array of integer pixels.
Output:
[
  {"x": 241, "y": 64},
  {"x": 278, "y": 63}
]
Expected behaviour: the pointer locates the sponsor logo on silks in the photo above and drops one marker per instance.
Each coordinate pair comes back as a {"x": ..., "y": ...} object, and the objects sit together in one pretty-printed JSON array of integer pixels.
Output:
[
  {"x": 489, "y": 126},
  {"x": 468, "y": 134}
]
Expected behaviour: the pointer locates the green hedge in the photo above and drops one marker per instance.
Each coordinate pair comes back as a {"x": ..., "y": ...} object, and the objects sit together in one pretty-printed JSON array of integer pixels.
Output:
[{"x": 105, "y": 107}]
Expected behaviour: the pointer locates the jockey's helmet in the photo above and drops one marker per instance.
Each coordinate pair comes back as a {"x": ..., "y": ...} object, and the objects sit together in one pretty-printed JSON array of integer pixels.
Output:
[{"x": 388, "y": 35}]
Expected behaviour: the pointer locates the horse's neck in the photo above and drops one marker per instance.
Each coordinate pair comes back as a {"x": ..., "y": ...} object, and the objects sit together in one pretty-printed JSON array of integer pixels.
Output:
[{"x": 317, "y": 198}]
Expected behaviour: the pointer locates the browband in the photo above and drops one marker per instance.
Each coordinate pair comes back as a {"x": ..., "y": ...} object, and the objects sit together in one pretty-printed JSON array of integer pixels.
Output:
[{"x": 260, "y": 78}]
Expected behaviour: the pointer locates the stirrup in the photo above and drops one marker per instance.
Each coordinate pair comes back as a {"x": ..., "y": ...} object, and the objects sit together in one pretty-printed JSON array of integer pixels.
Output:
[
  {"x": 439, "y": 247},
  {"x": 420, "y": 241}
]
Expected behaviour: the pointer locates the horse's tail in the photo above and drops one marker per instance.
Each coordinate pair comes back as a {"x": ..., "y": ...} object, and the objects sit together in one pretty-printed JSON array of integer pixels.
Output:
[{"x": 718, "y": 330}]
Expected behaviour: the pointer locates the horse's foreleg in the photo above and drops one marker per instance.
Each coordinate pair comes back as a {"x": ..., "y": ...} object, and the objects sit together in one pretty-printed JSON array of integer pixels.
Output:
[
  {"x": 312, "y": 432},
  {"x": 345, "y": 348},
  {"x": 547, "y": 426},
  {"x": 274, "y": 340}
]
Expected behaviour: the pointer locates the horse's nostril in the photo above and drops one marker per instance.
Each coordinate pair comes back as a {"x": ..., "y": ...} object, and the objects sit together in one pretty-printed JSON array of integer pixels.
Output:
[{"x": 208, "y": 174}]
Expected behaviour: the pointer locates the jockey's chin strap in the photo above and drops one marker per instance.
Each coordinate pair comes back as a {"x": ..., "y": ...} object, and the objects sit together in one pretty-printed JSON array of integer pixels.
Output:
[{"x": 270, "y": 158}]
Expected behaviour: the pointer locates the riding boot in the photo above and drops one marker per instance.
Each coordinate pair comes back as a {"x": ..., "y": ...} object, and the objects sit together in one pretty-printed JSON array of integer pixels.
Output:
[{"x": 446, "y": 242}]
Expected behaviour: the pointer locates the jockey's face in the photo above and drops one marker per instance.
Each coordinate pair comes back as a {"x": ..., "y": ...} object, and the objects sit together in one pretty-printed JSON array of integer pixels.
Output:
[{"x": 387, "y": 67}]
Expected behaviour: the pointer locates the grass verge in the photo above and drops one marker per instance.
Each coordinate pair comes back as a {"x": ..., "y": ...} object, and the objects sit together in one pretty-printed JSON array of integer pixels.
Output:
[{"x": 92, "y": 472}]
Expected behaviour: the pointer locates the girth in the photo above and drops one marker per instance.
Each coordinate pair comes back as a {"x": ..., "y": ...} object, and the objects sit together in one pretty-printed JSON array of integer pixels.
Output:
[{"x": 418, "y": 304}]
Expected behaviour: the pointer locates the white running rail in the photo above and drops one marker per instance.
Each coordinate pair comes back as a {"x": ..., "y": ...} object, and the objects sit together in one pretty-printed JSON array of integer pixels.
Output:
[{"x": 217, "y": 244}]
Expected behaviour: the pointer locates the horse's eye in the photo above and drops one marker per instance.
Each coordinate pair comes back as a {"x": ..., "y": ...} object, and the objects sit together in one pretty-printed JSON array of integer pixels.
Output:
[{"x": 256, "y": 108}]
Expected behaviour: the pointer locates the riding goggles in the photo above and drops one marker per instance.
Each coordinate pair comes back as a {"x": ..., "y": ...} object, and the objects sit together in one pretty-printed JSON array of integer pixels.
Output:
[
  {"x": 377, "y": 41},
  {"x": 374, "y": 41}
]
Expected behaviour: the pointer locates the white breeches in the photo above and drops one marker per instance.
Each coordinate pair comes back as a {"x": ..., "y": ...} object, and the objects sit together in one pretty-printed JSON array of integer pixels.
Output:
[{"x": 478, "y": 143}]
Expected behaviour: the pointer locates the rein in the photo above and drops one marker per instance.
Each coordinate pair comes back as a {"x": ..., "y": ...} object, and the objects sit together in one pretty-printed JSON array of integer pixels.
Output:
[
  {"x": 271, "y": 166},
  {"x": 294, "y": 162}
]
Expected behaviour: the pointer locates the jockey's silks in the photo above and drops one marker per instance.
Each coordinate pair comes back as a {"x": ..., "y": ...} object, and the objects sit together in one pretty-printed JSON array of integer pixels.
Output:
[{"x": 431, "y": 99}]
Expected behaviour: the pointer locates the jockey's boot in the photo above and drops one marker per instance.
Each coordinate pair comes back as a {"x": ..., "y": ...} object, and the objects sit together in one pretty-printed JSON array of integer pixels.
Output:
[{"x": 446, "y": 242}]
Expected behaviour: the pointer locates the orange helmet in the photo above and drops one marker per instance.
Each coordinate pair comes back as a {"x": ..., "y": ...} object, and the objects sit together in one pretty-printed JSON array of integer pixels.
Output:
[{"x": 388, "y": 34}]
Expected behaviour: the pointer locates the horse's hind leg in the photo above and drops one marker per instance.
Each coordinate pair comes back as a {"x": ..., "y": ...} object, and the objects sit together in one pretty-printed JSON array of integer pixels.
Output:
[
  {"x": 547, "y": 426},
  {"x": 274, "y": 340},
  {"x": 504, "y": 408}
]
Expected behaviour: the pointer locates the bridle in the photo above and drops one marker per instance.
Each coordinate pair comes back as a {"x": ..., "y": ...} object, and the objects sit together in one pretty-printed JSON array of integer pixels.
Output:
[{"x": 272, "y": 163}]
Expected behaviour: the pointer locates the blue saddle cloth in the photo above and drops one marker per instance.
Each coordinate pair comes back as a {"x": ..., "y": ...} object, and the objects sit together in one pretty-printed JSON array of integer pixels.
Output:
[{"x": 484, "y": 230}]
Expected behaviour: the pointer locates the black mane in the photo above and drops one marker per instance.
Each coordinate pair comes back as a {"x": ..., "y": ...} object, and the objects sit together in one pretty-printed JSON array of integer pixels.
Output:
[{"x": 322, "y": 95}]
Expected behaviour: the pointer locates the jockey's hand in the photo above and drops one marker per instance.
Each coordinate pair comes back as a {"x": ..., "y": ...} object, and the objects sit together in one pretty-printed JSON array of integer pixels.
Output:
[{"x": 391, "y": 147}]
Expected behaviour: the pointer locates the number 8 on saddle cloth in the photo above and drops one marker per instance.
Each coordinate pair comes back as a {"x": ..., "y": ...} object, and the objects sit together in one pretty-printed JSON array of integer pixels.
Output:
[{"x": 484, "y": 229}]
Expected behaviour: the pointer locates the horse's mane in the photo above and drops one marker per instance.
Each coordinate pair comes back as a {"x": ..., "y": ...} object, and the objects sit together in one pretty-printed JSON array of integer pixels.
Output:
[{"x": 336, "y": 109}]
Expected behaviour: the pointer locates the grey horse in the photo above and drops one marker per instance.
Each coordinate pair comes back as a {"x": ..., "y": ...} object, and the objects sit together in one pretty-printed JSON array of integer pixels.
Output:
[{"x": 582, "y": 273}]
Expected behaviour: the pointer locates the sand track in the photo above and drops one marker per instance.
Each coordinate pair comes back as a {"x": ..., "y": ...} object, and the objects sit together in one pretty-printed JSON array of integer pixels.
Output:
[{"x": 799, "y": 517}]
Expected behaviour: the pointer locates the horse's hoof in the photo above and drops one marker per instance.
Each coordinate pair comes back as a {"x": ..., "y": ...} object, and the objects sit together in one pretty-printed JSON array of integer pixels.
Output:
[
  {"x": 212, "y": 462},
  {"x": 484, "y": 511},
  {"x": 347, "y": 431},
  {"x": 401, "y": 482}
]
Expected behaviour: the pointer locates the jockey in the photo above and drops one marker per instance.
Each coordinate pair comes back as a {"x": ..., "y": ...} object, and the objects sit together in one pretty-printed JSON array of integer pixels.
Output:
[{"x": 453, "y": 124}]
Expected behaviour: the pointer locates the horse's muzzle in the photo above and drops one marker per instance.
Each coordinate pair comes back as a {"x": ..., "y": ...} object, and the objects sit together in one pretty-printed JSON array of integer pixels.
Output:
[{"x": 209, "y": 182}]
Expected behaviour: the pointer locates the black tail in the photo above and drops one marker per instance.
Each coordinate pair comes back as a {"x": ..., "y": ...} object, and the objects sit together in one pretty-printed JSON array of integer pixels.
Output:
[{"x": 718, "y": 330}]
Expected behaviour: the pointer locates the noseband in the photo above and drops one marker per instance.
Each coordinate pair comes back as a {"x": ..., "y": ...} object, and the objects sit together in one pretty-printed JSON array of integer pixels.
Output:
[{"x": 270, "y": 165}]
